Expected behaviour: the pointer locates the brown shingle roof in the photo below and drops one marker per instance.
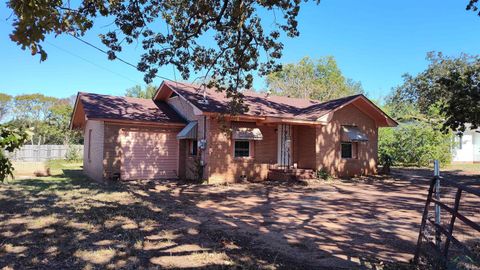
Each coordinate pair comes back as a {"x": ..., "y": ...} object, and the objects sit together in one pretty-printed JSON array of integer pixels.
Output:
[
  {"x": 259, "y": 104},
  {"x": 98, "y": 106}
]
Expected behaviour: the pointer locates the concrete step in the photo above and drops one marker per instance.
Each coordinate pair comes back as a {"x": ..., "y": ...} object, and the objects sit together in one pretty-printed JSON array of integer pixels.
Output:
[{"x": 291, "y": 174}]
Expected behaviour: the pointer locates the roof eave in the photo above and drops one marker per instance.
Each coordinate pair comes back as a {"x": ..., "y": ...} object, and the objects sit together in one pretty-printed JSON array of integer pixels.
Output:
[
  {"x": 196, "y": 110},
  {"x": 127, "y": 121},
  {"x": 292, "y": 121}
]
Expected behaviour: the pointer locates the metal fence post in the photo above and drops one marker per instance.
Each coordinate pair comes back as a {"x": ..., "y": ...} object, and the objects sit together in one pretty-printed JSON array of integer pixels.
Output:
[{"x": 436, "y": 172}]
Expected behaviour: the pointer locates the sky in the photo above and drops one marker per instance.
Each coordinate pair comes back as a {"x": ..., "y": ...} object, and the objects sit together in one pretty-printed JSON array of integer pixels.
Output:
[{"x": 374, "y": 42}]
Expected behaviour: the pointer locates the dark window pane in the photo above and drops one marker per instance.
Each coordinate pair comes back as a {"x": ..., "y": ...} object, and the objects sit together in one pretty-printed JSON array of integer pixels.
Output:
[
  {"x": 193, "y": 148},
  {"x": 242, "y": 149},
  {"x": 346, "y": 150}
]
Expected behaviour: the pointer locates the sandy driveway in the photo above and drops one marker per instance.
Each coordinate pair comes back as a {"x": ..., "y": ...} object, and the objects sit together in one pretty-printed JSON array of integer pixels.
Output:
[
  {"x": 322, "y": 224},
  {"x": 67, "y": 221}
]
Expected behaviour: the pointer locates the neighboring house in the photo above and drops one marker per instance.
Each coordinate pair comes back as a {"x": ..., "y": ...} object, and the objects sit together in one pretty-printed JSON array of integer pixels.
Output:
[
  {"x": 467, "y": 147},
  {"x": 183, "y": 126}
]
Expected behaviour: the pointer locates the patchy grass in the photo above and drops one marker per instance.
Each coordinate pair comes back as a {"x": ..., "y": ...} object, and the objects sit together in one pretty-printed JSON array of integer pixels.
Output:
[
  {"x": 66, "y": 221},
  {"x": 56, "y": 167},
  {"x": 469, "y": 168}
]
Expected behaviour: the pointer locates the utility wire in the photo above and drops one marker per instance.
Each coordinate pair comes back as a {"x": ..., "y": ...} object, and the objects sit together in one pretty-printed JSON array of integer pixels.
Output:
[
  {"x": 90, "y": 62},
  {"x": 103, "y": 51},
  {"x": 117, "y": 58},
  {"x": 124, "y": 61}
]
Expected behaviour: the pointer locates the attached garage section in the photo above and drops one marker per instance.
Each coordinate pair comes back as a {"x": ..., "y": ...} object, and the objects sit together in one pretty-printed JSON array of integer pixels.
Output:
[{"x": 149, "y": 153}]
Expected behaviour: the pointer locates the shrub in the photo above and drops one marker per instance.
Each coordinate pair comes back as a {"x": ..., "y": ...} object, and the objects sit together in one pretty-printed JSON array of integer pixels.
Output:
[
  {"x": 322, "y": 174},
  {"x": 415, "y": 144},
  {"x": 386, "y": 162},
  {"x": 197, "y": 170},
  {"x": 73, "y": 153}
]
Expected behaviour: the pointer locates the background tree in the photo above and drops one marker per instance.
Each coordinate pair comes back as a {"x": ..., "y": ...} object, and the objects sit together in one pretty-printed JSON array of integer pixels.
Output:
[
  {"x": 31, "y": 110},
  {"x": 48, "y": 116},
  {"x": 58, "y": 121},
  {"x": 431, "y": 107},
  {"x": 450, "y": 84},
  {"x": 473, "y": 5},
  {"x": 414, "y": 143},
  {"x": 138, "y": 92},
  {"x": 315, "y": 79},
  {"x": 32, "y": 106},
  {"x": 5, "y": 105},
  {"x": 419, "y": 138},
  {"x": 225, "y": 39}
]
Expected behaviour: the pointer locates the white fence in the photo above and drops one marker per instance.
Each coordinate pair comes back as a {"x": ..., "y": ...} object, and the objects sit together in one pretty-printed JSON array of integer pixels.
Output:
[{"x": 36, "y": 153}]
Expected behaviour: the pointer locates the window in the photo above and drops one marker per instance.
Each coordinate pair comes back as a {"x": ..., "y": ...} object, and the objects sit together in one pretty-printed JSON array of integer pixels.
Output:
[
  {"x": 89, "y": 143},
  {"x": 242, "y": 149},
  {"x": 192, "y": 147},
  {"x": 460, "y": 141},
  {"x": 347, "y": 150}
]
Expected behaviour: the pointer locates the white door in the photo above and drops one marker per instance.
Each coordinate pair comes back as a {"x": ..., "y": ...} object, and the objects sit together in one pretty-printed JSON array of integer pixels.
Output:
[{"x": 284, "y": 141}]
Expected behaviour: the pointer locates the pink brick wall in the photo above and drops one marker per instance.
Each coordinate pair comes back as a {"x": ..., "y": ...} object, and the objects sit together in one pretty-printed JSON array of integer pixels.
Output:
[
  {"x": 221, "y": 164},
  {"x": 328, "y": 145}
]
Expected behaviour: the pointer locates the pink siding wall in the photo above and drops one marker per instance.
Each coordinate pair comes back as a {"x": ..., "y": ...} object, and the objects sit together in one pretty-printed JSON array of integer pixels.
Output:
[
  {"x": 93, "y": 167},
  {"x": 149, "y": 153},
  {"x": 115, "y": 149}
]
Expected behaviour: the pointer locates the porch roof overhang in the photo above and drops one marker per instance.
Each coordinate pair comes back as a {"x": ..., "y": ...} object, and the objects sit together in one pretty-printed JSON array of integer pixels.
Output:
[
  {"x": 251, "y": 134},
  {"x": 353, "y": 134},
  {"x": 291, "y": 121},
  {"x": 189, "y": 131}
]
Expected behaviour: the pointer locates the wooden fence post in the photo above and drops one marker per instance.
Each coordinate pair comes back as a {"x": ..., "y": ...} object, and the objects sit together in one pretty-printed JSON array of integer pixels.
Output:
[
  {"x": 424, "y": 220},
  {"x": 452, "y": 223}
]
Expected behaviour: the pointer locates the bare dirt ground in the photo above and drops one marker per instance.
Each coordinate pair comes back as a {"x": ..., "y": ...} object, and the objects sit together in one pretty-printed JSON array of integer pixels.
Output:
[{"x": 66, "y": 221}]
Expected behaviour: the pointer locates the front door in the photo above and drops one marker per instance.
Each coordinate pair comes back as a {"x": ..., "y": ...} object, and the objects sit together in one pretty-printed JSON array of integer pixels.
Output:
[{"x": 284, "y": 153}]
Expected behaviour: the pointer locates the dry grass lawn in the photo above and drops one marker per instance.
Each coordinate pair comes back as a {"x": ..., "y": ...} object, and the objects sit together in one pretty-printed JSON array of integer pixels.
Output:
[{"x": 68, "y": 222}]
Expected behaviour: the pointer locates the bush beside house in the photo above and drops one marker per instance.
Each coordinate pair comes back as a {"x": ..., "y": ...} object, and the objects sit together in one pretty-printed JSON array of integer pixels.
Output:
[{"x": 415, "y": 144}]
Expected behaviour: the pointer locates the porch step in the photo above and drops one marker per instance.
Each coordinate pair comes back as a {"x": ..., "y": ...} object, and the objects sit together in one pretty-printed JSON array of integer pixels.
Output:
[{"x": 291, "y": 174}]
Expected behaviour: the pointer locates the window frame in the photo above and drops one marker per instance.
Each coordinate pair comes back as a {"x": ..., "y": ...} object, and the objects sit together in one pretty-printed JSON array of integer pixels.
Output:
[
  {"x": 89, "y": 145},
  {"x": 351, "y": 150},
  {"x": 193, "y": 148},
  {"x": 249, "y": 149}
]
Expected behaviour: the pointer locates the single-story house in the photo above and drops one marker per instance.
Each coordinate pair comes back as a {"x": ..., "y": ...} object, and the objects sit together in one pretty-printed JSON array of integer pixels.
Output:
[
  {"x": 186, "y": 127},
  {"x": 466, "y": 147}
]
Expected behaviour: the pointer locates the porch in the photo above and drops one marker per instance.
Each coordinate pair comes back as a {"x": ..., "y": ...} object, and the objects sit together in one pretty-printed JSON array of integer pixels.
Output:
[
  {"x": 296, "y": 153},
  {"x": 257, "y": 151}
]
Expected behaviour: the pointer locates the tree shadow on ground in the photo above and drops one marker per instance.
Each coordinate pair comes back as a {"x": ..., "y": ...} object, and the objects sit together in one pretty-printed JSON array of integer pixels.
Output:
[{"x": 66, "y": 221}]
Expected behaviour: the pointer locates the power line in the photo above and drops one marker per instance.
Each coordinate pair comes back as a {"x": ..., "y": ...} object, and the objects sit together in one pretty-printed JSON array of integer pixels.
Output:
[
  {"x": 117, "y": 58},
  {"x": 103, "y": 51},
  {"x": 90, "y": 62},
  {"x": 123, "y": 60}
]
